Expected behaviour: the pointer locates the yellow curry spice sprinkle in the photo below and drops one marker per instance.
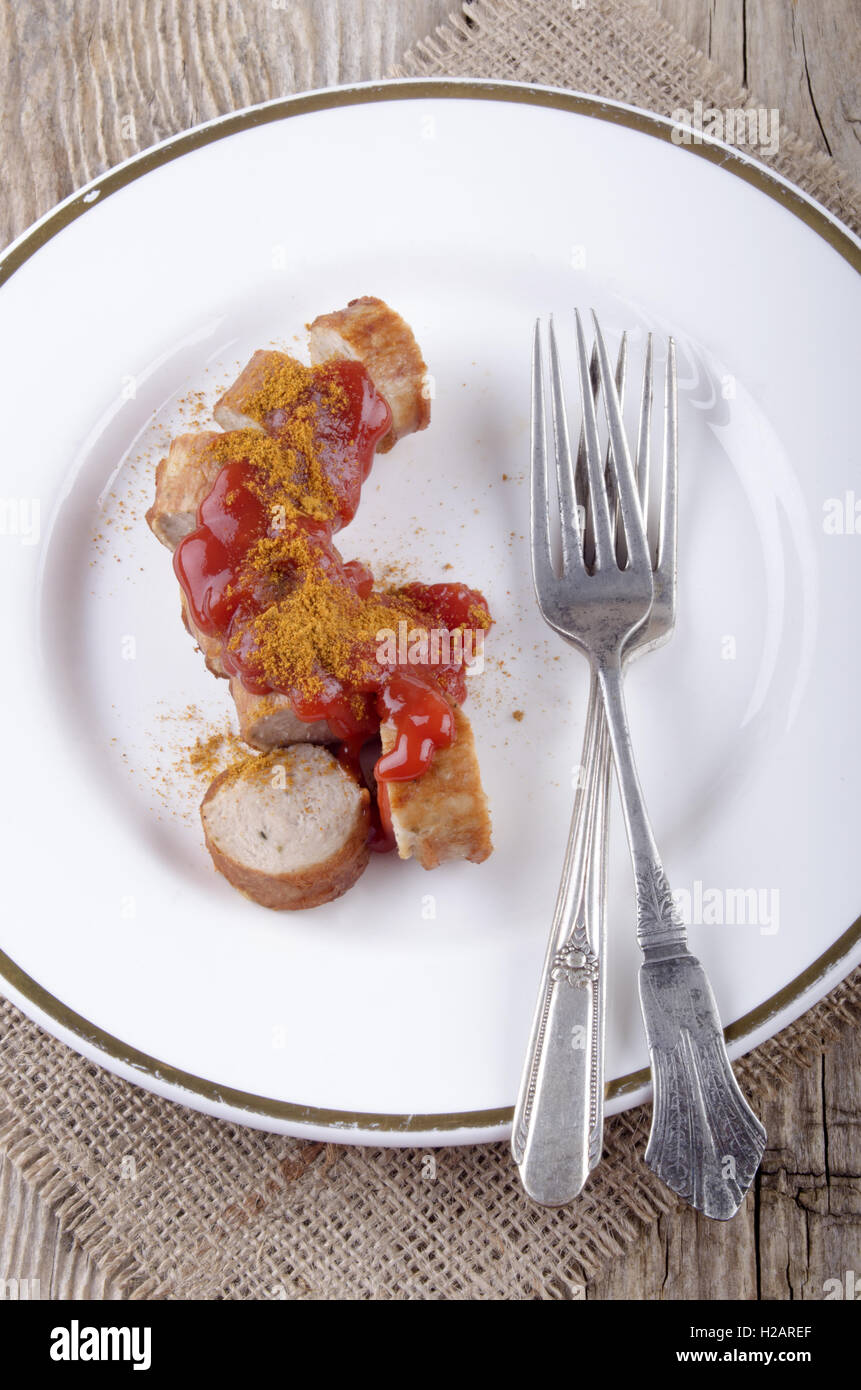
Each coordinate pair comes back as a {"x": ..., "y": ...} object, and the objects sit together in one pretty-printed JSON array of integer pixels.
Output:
[
  {"x": 204, "y": 753},
  {"x": 255, "y": 769},
  {"x": 283, "y": 381},
  {"x": 287, "y": 463},
  {"x": 274, "y": 769},
  {"x": 320, "y": 627},
  {"x": 286, "y": 470}
]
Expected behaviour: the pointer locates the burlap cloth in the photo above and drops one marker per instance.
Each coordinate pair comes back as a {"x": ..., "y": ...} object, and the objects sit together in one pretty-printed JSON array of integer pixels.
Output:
[{"x": 212, "y": 1210}]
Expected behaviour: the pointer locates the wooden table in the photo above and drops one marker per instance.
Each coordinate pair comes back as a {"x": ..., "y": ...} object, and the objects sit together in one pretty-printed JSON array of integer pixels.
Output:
[{"x": 86, "y": 85}]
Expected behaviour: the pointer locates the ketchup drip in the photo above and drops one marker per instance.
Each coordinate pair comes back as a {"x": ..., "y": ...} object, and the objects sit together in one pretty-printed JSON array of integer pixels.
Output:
[{"x": 413, "y": 687}]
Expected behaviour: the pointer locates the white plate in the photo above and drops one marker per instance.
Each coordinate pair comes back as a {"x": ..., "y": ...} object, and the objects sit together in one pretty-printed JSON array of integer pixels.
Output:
[{"x": 399, "y": 1013}]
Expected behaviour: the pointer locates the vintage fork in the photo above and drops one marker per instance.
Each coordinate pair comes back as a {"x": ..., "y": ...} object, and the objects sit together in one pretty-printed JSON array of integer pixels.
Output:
[
  {"x": 705, "y": 1142},
  {"x": 563, "y": 1074}
]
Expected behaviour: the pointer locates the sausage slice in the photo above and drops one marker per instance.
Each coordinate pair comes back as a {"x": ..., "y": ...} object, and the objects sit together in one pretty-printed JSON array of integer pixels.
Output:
[{"x": 288, "y": 829}]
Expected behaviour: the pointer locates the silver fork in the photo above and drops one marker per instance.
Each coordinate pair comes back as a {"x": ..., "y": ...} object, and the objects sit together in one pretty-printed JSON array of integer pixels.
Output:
[
  {"x": 557, "y": 1136},
  {"x": 705, "y": 1143}
]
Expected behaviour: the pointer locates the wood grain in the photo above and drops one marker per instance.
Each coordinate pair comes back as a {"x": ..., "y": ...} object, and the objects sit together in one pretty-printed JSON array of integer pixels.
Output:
[
  {"x": 86, "y": 83},
  {"x": 800, "y": 1226},
  {"x": 801, "y": 56}
]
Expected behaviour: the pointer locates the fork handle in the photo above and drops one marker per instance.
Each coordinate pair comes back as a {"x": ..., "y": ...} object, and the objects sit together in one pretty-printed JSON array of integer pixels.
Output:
[
  {"x": 705, "y": 1142},
  {"x": 660, "y": 929},
  {"x": 557, "y": 1135}
]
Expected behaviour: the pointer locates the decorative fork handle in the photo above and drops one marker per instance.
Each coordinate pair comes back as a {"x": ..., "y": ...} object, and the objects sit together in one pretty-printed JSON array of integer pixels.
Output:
[
  {"x": 705, "y": 1142},
  {"x": 557, "y": 1135}
]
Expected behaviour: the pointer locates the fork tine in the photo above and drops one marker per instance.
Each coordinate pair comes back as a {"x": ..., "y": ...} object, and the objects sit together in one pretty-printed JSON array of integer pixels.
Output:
[
  {"x": 604, "y": 548},
  {"x": 580, "y": 470},
  {"x": 622, "y": 365},
  {"x": 581, "y": 475},
  {"x": 667, "y": 538},
  {"x": 635, "y": 529},
  {"x": 644, "y": 434},
  {"x": 542, "y": 562},
  {"x": 618, "y": 529},
  {"x": 568, "y": 506}
]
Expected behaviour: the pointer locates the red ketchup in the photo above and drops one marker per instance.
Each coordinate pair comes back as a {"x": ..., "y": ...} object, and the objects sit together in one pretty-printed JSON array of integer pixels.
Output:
[
  {"x": 415, "y": 689},
  {"x": 345, "y": 436}
]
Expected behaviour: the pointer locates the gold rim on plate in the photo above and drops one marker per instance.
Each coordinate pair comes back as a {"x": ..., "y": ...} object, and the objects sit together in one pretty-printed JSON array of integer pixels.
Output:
[{"x": 825, "y": 226}]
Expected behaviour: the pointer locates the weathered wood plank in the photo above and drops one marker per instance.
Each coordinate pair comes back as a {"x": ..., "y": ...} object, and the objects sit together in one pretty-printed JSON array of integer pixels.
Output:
[
  {"x": 37, "y": 1260},
  {"x": 801, "y": 56},
  {"x": 84, "y": 88},
  {"x": 800, "y": 1227}
]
